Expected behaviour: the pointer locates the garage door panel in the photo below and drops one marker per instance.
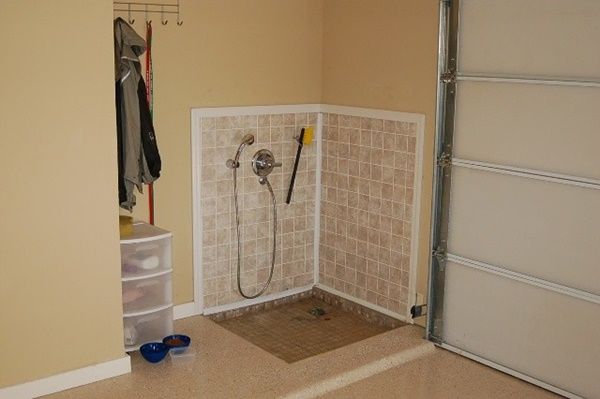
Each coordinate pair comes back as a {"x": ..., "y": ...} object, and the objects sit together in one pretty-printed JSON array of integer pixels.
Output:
[
  {"x": 548, "y": 128},
  {"x": 537, "y": 228},
  {"x": 533, "y": 37},
  {"x": 540, "y": 333},
  {"x": 515, "y": 279}
]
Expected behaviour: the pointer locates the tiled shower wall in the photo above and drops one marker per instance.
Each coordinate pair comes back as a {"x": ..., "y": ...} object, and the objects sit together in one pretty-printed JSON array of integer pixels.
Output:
[
  {"x": 220, "y": 138},
  {"x": 368, "y": 183}
]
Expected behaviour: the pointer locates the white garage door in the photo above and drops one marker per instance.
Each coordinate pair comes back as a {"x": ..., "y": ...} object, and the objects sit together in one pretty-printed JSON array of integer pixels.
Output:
[{"x": 515, "y": 277}]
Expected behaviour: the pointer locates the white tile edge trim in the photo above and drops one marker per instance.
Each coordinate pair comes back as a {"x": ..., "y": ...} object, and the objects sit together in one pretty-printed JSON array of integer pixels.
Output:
[
  {"x": 256, "y": 301},
  {"x": 196, "y": 138},
  {"x": 255, "y": 110},
  {"x": 366, "y": 304},
  {"x": 297, "y": 108},
  {"x": 509, "y": 371},
  {"x": 185, "y": 310},
  {"x": 374, "y": 113},
  {"x": 68, "y": 379},
  {"x": 318, "y": 194},
  {"x": 416, "y": 222},
  {"x": 368, "y": 370}
]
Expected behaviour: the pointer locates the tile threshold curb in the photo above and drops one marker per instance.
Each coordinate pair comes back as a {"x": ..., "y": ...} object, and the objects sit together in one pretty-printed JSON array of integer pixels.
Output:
[{"x": 362, "y": 372}]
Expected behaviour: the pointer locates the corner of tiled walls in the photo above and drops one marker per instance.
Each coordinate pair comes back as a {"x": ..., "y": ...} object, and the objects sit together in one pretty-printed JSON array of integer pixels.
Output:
[
  {"x": 294, "y": 263},
  {"x": 366, "y": 207},
  {"x": 368, "y": 180}
]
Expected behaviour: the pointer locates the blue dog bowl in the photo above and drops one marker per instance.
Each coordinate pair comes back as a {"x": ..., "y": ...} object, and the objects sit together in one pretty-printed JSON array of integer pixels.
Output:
[
  {"x": 154, "y": 352},
  {"x": 178, "y": 343}
]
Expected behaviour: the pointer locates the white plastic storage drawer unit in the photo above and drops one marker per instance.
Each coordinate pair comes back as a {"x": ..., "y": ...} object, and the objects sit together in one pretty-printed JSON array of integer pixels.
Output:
[
  {"x": 141, "y": 294},
  {"x": 147, "y": 327},
  {"x": 146, "y": 281},
  {"x": 146, "y": 252}
]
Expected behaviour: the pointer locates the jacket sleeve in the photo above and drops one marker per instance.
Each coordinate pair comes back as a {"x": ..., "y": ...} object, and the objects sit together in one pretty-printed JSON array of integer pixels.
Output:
[
  {"x": 149, "y": 145},
  {"x": 120, "y": 155}
]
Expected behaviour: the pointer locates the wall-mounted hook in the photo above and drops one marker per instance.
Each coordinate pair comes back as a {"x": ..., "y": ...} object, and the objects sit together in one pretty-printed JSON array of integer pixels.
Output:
[
  {"x": 179, "y": 22},
  {"x": 162, "y": 16},
  {"x": 131, "y": 21}
]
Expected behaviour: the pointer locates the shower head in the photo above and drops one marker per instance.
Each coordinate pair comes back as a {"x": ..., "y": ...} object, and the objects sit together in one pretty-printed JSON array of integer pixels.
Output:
[{"x": 248, "y": 139}]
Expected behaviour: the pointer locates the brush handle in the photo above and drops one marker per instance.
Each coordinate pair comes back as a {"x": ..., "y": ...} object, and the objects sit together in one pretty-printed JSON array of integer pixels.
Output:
[{"x": 296, "y": 162}]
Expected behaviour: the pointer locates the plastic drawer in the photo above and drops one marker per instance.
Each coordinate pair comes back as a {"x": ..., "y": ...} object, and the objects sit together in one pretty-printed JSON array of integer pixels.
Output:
[
  {"x": 145, "y": 258},
  {"x": 150, "y": 327},
  {"x": 144, "y": 294}
]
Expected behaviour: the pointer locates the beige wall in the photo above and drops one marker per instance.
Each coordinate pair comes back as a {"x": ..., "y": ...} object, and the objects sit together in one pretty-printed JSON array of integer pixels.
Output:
[
  {"x": 59, "y": 275},
  {"x": 59, "y": 280},
  {"x": 378, "y": 54},
  {"x": 226, "y": 53},
  {"x": 383, "y": 54},
  {"x": 59, "y": 257}
]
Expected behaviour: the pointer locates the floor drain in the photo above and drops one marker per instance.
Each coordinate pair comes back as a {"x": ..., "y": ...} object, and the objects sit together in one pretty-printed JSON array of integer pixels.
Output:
[{"x": 317, "y": 311}]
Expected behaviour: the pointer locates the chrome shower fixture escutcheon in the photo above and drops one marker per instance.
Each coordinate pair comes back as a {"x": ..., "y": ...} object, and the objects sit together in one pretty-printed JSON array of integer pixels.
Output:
[{"x": 263, "y": 163}]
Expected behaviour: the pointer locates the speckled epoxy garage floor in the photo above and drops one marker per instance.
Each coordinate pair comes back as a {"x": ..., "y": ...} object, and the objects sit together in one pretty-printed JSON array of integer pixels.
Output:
[{"x": 393, "y": 364}]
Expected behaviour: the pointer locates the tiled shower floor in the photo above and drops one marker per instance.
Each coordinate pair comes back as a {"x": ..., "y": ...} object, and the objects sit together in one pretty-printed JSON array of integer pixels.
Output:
[{"x": 291, "y": 332}]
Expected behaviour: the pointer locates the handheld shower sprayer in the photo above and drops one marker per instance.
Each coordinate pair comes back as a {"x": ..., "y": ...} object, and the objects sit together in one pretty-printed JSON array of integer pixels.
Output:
[
  {"x": 235, "y": 162},
  {"x": 263, "y": 163}
]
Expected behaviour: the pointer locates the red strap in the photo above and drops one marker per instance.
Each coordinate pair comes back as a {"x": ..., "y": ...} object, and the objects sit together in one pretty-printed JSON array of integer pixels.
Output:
[{"x": 149, "y": 64}]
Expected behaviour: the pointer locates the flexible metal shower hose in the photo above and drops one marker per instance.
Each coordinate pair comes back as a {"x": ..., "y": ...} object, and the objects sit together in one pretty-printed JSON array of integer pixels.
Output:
[{"x": 239, "y": 238}]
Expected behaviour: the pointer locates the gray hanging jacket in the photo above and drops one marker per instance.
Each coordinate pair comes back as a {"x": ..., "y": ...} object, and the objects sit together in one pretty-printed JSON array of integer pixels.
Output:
[{"x": 139, "y": 160}]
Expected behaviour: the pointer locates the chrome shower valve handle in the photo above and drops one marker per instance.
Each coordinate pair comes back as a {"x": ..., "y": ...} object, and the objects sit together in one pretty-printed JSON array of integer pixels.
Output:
[{"x": 263, "y": 163}]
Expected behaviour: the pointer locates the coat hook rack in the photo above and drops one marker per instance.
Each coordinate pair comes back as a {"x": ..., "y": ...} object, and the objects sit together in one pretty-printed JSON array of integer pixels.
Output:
[
  {"x": 162, "y": 16},
  {"x": 148, "y": 8},
  {"x": 131, "y": 21}
]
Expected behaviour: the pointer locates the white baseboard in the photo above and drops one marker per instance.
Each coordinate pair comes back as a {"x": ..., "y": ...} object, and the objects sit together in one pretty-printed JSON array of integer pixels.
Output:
[
  {"x": 67, "y": 380},
  {"x": 363, "y": 303},
  {"x": 255, "y": 301},
  {"x": 185, "y": 310}
]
